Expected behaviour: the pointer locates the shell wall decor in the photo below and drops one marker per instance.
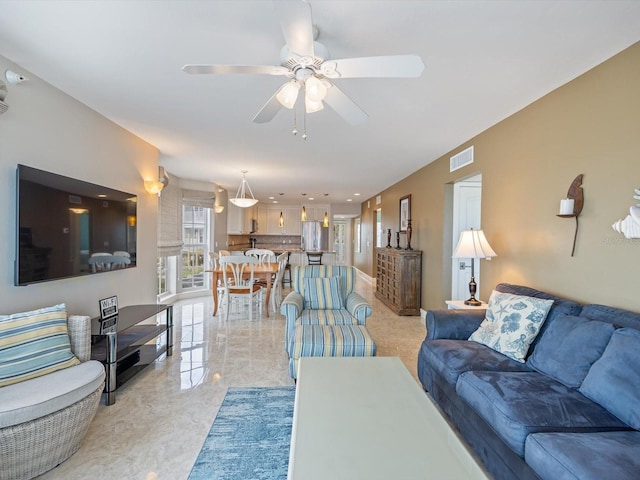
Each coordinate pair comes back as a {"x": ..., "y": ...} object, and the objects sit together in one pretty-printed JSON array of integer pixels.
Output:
[{"x": 630, "y": 225}]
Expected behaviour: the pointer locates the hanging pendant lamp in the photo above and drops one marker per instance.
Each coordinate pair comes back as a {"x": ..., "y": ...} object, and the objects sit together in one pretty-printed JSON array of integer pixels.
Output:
[{"x": 241, "y": 200}]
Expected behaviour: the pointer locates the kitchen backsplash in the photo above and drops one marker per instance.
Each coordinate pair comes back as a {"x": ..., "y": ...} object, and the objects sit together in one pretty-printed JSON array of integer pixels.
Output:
[{"x": 270, "y": 242}]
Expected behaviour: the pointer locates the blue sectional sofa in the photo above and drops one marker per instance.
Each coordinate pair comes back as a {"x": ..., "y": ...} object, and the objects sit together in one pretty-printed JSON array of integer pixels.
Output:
[{"x": 571, "y": 410}]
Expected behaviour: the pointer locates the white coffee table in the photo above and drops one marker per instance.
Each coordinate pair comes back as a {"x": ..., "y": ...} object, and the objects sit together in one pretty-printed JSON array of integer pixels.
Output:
[{"x": 367, "y": 418}]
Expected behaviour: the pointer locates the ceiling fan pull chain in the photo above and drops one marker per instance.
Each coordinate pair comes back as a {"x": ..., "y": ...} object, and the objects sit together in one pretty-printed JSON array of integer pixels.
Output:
[
  {"x": 295, "y": 128},
  {"x": 304, "y": 134}
]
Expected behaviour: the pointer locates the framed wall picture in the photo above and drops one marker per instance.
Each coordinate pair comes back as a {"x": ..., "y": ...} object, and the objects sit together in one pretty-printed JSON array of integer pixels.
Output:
[{"x": 405, "y": 212}]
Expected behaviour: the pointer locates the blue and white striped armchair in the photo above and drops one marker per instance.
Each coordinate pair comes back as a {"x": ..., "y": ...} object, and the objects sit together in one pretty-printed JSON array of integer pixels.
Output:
[{"x": 323, "y": 295}]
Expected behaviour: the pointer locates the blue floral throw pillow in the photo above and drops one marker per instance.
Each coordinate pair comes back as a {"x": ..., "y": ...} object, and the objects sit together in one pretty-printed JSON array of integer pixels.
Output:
[{"x": 511, "y": 324}]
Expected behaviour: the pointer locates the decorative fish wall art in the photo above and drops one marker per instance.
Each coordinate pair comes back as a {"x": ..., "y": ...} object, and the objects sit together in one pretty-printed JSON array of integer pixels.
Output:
[{"x": 630, "y": 225}]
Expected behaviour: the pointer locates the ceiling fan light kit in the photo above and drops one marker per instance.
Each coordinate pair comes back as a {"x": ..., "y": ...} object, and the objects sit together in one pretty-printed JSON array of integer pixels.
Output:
[
  {"x": 288, "y": 94},
  {"x": 307, "y": 63},
  {"x": 241, "y": 200}
]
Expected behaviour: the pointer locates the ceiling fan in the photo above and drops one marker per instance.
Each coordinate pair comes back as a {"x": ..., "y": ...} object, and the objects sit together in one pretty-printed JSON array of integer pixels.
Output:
[{"x": 308, "y": 66}]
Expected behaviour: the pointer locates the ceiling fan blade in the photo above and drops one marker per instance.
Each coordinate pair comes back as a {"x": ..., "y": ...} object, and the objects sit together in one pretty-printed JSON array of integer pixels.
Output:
[
  {"x": 392, "y": 66},
  {"x": 297, "y": 25},
  {"x": 269, "y": 110},
  {"x": 344, "y": 106},
  {"x": 224, "y": 69}
]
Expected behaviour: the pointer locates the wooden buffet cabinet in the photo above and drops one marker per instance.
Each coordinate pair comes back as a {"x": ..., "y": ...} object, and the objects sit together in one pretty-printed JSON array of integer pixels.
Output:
[{"x": 398, "y": 279}]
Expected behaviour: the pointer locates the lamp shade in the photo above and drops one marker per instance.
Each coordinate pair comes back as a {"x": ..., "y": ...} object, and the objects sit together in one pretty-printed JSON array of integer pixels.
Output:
[
  {"x": 288, "y": 94},
  {"x": 473, "y": 244},
  {"x": 241, "y": 200},
  {"x": 315, "y": 89}
]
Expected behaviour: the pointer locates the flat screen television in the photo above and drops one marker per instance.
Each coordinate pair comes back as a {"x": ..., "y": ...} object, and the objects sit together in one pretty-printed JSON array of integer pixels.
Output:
[{"x": 68, "y": 228}]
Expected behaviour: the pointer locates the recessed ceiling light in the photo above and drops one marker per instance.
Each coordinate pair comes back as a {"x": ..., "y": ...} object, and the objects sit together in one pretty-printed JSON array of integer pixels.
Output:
[
  {"x": 349, "y": 200},
  {"x": 270, "y": 198},
  {"x": 275, "y": 201},
  {"x": 311, "y": 198},
  {"x": 102, "y": 195},
  {"x": 356, "y": 194}
]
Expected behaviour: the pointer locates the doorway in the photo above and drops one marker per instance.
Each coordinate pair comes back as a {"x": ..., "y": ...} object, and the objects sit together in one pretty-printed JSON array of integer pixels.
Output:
[{"x": 467, "y": 195}]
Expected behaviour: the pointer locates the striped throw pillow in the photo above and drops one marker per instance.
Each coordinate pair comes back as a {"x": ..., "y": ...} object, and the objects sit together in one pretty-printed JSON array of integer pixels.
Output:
[
  {"x": 322, "y": 293},
  {"x": 33, "y": 344}
]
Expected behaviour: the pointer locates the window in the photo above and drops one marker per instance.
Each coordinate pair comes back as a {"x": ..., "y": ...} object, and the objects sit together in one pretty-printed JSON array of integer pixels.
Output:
[
  {"x": 195, "y": 249},
  {"x": 162, "y": 276}
]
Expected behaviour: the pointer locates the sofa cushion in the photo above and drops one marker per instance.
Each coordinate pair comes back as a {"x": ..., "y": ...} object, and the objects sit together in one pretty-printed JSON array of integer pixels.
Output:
[
  {"x": 451, "y": 358},
  {"x": 614, "y": 379},
  {"x": 515, "y": 404},
  {"x": 568, "y": 348},
  {"x": 347, "y": 273},
  {"x": 322, "y": 293},
  {"x": 584, "y": 456},
  {"x": 320, "y": 317},
  {"x": 512, "y": 322},
  {"x": 34, "y": 343},
  {"x": 616, "y": 316},
  {"x": 35, "y": 398}
]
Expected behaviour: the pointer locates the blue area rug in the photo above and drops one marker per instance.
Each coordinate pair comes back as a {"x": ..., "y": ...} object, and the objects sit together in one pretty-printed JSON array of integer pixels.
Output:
[{"x": 250, "y": 437}]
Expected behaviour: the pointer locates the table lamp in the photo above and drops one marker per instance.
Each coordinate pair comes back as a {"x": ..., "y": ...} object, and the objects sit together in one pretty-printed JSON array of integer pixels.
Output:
[{"x": 473, "y": 244}]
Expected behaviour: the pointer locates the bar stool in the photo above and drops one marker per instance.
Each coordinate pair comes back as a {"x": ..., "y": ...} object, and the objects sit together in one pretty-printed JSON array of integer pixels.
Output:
[
  {"x": 286, "y": 275},
  {"x": 314, "y": 258}
]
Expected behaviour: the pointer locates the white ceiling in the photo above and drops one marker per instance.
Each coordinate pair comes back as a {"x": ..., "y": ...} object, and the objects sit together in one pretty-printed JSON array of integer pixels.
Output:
[{"x": 484, "y": 61}]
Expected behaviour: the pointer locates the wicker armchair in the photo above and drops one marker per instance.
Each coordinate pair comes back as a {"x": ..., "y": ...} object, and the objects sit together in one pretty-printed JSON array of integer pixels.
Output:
[{"x": 36, "y": 434}]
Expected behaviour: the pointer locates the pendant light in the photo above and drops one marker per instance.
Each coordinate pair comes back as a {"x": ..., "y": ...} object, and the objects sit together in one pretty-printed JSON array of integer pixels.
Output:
[
  {"x": 281, "y": 221},
  {"x": 241, "y": 200},
  {"x": 325, "y": 221},
  {"x": 303, "y": 215}
]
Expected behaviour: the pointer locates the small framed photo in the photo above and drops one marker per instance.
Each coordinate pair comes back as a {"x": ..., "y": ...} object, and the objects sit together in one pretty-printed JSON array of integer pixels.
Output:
[
  {"x": 405, "y": 212},
  {"x": 108, "y": 307}
]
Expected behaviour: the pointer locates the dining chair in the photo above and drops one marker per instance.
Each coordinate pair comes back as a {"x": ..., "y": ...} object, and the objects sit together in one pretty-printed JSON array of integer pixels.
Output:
[
  {"x": 233, "y": 269},
  {"x": 276, "y": 287},
  {"x": 264, "y": 257},
  {"x": 214, "y": 261},
  {"x": 262, "y": 254}
]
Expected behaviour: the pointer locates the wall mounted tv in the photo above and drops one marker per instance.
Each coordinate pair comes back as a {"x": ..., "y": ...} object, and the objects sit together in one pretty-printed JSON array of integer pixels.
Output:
[{"x": 68, "y": 228}]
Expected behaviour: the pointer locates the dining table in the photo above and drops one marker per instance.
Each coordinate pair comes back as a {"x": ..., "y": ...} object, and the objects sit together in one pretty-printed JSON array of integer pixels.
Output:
[{"x": 261, "y": 271}]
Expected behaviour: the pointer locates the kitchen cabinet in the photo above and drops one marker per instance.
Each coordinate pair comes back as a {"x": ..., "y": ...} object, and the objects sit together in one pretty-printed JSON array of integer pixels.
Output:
[
  {"x": 240, "y": 220},
  {"x": 292, "y": 225},
  {"x": 235, "y": 219},
  {"x": 316, "y": 212},
  {"x": 262, "y": 219},
  {"x": 273, "y": 221}
]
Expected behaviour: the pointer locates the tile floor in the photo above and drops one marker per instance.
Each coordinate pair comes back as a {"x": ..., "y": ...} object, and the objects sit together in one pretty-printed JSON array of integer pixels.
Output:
[{"x": 162, "y": 416}]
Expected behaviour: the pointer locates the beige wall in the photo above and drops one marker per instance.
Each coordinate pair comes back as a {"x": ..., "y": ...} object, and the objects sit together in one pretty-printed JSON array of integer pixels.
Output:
[
  {"x": 46, "y": 129},
  {"x": 590, "y": 126}
]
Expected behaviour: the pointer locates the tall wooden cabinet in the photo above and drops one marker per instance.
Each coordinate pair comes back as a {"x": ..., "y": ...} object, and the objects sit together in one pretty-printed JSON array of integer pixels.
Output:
[{"x": 399, "y": 279}]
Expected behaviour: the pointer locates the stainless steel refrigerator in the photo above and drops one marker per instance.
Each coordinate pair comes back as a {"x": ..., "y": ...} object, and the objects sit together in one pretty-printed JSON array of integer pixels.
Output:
[{"x": 315, "y": 237}]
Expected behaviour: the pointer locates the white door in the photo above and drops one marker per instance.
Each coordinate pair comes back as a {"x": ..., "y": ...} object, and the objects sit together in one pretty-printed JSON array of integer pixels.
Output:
[{"x": 466, "y": 215}]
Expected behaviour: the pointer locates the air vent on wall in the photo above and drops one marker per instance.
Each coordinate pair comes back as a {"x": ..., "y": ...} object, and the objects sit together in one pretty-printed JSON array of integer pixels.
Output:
[
  {"x": 461, "y": 159},
  {"x": 3, "y": 93}
]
